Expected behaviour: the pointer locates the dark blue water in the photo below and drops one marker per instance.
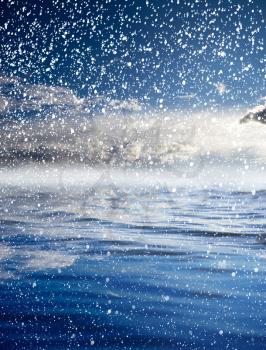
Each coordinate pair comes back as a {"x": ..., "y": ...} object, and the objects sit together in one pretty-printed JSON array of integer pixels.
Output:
[{"x": 132, "y": 269}]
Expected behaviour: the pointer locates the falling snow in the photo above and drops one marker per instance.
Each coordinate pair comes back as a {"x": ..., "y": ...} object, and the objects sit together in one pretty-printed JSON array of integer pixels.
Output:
[{"x": 132, "y": 174}]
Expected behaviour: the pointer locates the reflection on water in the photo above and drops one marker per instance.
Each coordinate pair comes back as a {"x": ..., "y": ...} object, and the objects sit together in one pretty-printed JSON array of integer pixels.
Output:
[{"x": 121, "y": 268}]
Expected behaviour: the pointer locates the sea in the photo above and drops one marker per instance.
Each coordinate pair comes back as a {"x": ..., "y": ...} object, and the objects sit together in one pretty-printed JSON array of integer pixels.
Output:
[{"x": 121, "y": 232}]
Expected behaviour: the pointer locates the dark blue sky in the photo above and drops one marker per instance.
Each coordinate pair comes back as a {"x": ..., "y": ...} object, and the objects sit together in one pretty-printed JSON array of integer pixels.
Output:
[{"x": 163, "y": 52}]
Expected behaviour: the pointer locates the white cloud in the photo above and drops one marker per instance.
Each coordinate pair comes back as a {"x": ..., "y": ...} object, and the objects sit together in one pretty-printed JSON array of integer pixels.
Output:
[
  {"x": 34, "y": 97},
  {"x": 131, "y": 104},
  {"x": 187, "y": 97}
]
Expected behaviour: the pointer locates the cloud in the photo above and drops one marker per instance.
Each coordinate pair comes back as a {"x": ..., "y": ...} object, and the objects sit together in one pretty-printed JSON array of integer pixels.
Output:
[
  {"x": 28, "y": 97},
  {"x": 40, "y": 95},
  {"x": 16, "y": 96},
  {"x": 8, "y": 80},
  {"x": 131, "y": 104},
  {"x": 257, "y": 109},
  {"x": 4, "y": 103},
  {"x": 187, "y": 97}
]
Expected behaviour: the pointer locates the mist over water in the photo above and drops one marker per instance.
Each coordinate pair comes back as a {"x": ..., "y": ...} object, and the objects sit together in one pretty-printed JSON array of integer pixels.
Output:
[{"x": 200, "y": 150}]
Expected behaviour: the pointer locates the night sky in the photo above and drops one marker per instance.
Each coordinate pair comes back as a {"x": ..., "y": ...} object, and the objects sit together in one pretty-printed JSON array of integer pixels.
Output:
[{"x": 163, "y": 53}]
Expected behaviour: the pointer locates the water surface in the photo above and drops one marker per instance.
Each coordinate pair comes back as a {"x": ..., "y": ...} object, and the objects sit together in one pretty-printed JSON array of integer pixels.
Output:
[{"x": 123, "y": 267}]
